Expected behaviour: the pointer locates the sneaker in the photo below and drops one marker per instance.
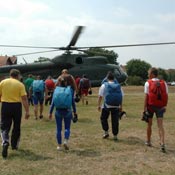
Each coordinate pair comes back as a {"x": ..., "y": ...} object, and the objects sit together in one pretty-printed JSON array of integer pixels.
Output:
[
  {"x": 15, "y": 148},
  {"x": 162, "y": 148},
  {"x": 65, "y": 145},
  {"x": 115, "y": 138},
  {"x": 106, "y": 135},
  {"x": 36, "y": 118},
  {"x": 148, "y": 143},
  {"x": 59, "y": 148},
  {"x": 5, "y": 149},
  {"x": 41, "y": 116}
]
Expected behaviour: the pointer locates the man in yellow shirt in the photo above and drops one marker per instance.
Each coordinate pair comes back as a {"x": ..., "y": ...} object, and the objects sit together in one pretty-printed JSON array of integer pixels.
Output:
[{"x": 12, "y": 96}]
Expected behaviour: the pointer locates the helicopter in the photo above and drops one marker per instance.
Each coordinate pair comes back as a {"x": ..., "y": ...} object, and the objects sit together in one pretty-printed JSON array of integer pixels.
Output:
[{"x": 95, "y": 67}]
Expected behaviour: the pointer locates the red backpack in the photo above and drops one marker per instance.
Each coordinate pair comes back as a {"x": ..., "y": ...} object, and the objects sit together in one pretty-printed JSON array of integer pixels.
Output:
[
  {"x": 50, "y": 84},
  {"x": 157, "y": 96}
]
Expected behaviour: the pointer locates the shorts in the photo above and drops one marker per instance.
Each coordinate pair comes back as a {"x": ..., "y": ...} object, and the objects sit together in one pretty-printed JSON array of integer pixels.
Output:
[
  {"x": 84, "y": 92},
  {"x": 158, "y": 111},
  {"x": 38, "y": 97}
]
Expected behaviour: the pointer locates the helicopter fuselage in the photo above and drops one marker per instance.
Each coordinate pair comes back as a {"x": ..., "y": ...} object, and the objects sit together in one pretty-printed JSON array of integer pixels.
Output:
[{"x": 95, "y": 68}]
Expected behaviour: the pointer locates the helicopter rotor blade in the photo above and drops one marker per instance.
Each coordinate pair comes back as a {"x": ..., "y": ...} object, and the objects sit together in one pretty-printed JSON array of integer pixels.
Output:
[
  {"x": 35, "y": 52},
  {"x": 126, "y": 45},
  {"x": 32, "y": 47},
  {"x": 75, "y": 37}
]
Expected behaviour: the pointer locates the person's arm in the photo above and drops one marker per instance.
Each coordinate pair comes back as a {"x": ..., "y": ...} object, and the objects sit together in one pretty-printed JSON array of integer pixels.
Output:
[
  {"x": 99, "y": 102},
  {"x": 100, "y": 96},
  {"x": 57, "y": 82},
  {"x": 51, "y": 110},
  {"x": 146, "y": 91},
  {"x": 90, "y": 86},
  {"x": 46, "y": 93},
  {"x": 26, "y": 106},
  {"x": 74, "y": 84}
]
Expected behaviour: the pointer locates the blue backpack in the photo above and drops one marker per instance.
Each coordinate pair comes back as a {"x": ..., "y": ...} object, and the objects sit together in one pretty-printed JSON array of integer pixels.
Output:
[
  {"x": 62, "y": 97},
  {"x": 38, "y": 85},
  {"x": 113, "y": 94}
]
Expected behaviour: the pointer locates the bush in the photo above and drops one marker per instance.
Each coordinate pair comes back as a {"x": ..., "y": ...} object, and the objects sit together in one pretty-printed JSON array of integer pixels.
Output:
[{"x": 135, "y": 80}]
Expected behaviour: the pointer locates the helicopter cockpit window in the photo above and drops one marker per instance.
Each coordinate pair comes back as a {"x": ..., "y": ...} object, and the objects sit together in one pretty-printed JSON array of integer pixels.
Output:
[{"x": 79, "y": 60}]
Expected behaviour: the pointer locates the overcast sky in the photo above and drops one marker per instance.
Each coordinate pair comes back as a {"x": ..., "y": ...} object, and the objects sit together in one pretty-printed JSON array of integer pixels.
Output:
[{"x": 112, "y": 22}]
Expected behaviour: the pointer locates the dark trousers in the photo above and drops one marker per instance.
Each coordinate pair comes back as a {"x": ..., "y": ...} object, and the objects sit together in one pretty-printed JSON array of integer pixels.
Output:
[
  {"x": 49, "y": 100},
  {"x": 11, "y": 113},
  {"x": 114, "y": 119}
]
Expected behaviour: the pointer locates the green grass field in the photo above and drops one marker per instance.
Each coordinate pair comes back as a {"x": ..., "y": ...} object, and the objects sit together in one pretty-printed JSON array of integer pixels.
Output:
[{"x": 89, "y": 154}]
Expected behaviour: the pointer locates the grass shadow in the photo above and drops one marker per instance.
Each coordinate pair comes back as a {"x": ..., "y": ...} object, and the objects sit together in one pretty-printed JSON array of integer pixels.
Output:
[
  {"x": 85, "y": 120},
  {"x": 85, "y": 152},
  {"x": 28, "y": 155},
  {"x": 132, "y": 141}
]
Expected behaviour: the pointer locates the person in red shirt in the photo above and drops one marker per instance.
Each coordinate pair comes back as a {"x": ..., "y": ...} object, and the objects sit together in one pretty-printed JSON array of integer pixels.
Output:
[{"x": 49, "y": 88}]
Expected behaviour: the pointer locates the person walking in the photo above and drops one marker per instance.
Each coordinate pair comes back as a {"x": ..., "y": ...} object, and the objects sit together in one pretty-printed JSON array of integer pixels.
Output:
[
  {"x": 49, "y": 88},
  {"x": 155, "y": 102},
  {"x": 37, "y": 89},
  {"x": 28, "y": 82},
  {"x": 70, "y": 82},
  {"x": 85, "y": 87},
  {"x": 112, "y": 94},
  {"x": 12, "y": 95},
  {"x": 62, "y": 101}
]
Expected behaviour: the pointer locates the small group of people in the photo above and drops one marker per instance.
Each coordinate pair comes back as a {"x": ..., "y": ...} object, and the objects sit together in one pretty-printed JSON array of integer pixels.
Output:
[
  {"x": 13, "y": 92},
  {"x": 155, "y": 102},
  {"x": 110, "y": 92},
  {"x": 39, "y": 91}
]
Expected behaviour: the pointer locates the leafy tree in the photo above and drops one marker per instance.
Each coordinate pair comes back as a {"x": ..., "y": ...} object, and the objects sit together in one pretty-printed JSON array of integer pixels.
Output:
[
  {"x": 135, "y": 80},
  {"x": 137, "y": 67},
  {"x": 163, "y": 74},
  {"x": 171, "y": 75},
  {"x": 111, "y": 55}
]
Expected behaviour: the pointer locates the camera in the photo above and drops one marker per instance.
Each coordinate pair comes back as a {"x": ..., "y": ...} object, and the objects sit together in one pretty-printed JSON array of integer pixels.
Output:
[
  {"x": 90, "y": 92},
  {"x": 75, "y": 118},
  {"x": 145, "y": 116},
  {"x": 122, "y": 114},
  {"x": 77, "y": 98}
]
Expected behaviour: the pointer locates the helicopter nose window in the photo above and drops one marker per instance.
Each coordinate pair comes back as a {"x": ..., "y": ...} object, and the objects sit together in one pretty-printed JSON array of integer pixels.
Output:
[{"x": 79, "y": 60}]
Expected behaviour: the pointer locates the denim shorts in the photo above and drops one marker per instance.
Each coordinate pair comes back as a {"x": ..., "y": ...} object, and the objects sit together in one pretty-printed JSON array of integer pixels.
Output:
[
  {"x": 38, "y": 97},
  {"x": 159, "y": 112}
]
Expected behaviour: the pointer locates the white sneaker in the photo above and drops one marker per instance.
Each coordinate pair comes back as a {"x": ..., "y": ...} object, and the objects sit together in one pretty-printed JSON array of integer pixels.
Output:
[
  {"x": 59, "y": 148},
  {"x": 115, "y": 138},
  {"x": 148, "y": 143},
  {"x": 105, "y": 135},
  {"x": 66, "y": 147},
  {"x": 162, "y": 147}
]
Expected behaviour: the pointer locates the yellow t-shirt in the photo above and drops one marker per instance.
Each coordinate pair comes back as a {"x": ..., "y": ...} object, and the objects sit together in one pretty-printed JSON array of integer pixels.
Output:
[{"x": 11, "y": 90}]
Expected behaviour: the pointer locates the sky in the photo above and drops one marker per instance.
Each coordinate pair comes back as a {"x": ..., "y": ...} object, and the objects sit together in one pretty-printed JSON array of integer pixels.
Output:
[{"x": 112, "y": 22}]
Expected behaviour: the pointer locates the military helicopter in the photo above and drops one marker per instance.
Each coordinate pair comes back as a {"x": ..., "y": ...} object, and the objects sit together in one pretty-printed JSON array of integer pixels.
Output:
[{"x": 95, "y": 67}]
